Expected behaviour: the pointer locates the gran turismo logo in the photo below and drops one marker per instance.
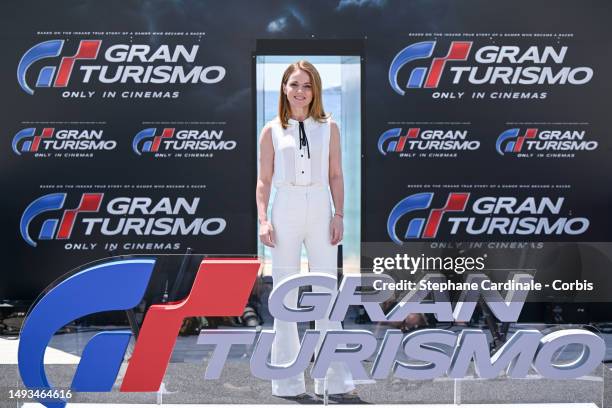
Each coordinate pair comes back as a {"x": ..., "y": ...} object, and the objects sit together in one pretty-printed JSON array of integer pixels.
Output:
[
  {"x": 533, "y": 140},
  {"x": 419, "y": 77},
  {"x": 398, "y": 141},
  {"x": 486, "y": 216},
  {"x": 509, "y": 140},
  {"x": 421, "y": 227},
  {"x": 140, "y": 216},
  {"x": 88, "y": 50},
  {"x": 116, "y": 64},
  {"x": 490, "y": 64},
  {"x": 146, "y": 140},
  {"x": 21, "y": 142},
  {"x": 90, "y": 202}
]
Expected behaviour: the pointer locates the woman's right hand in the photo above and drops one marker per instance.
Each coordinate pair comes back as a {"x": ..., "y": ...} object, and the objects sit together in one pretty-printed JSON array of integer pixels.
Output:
[{"x": 266, "y": 233}]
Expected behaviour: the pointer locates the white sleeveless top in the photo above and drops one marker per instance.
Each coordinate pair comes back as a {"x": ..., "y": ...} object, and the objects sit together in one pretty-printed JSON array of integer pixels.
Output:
[{"x": 292, "y": 167}]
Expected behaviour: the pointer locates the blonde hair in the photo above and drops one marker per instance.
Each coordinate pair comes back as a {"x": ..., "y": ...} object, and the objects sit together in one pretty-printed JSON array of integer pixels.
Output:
[{"x": 315, "y": 110}]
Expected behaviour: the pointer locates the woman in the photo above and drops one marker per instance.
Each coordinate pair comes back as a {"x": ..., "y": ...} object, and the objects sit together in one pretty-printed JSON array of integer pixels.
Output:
[{"x": 300, "y": 156}]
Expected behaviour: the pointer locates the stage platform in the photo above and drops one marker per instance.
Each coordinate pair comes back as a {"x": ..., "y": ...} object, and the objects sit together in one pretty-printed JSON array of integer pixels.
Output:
[{"x": 184, "y": 383}]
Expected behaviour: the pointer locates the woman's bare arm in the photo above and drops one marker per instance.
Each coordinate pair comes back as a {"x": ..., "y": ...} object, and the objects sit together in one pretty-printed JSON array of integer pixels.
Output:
[
  {"x": 336, "y": 183},
  {"x": 264, "y": 185}
]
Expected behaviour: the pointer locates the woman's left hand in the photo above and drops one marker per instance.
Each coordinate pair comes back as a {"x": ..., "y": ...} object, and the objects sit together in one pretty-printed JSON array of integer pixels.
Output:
[{"x": 337, "y": 229}]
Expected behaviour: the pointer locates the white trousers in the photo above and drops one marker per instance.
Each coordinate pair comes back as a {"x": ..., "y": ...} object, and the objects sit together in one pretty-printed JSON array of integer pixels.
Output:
[{"x": 303, "y": 215}]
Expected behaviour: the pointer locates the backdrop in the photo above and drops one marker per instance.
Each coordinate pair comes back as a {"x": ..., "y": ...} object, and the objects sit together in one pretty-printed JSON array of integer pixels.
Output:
[{"x": 129, "y": 127}]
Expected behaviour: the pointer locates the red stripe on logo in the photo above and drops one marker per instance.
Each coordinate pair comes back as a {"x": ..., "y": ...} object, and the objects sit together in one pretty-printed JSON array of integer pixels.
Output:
[
  {"x": 458, "y": 51},
  {"x": 221, "y": 288},
  {"x": 455, "y": 202},
  {"x": 90, "y": 202},
  {"x": 88, "y": 49}
]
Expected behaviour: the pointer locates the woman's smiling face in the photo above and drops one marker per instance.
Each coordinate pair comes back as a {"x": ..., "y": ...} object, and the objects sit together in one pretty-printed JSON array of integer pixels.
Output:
[{"x": 299, "y": 90}]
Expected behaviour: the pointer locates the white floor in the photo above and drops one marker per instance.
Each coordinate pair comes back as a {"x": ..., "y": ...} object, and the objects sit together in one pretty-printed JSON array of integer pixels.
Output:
[
  {"x": 34, "y": 405},
  {"x": 8, "y": 354}
]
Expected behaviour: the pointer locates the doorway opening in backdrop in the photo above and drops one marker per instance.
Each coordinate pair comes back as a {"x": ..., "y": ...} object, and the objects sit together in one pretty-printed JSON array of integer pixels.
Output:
[{"x": 341, "y": 76}]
